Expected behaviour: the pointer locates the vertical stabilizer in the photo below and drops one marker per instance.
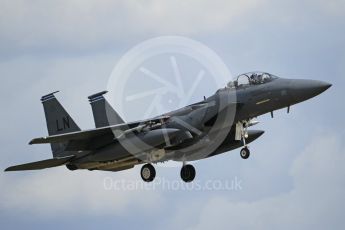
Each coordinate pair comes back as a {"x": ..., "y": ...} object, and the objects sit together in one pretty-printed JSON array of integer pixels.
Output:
[
  {"x": 58, "y": 121},
  {"x": 103, "y": 113}
]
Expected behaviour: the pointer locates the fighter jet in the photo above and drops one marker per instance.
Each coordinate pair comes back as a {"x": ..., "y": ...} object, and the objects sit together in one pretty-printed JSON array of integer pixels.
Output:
[{"x": 215, "y": 125}]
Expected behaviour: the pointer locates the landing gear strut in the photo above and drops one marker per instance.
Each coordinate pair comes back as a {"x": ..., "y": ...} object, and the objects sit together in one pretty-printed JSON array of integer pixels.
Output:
[
  {"x": 148, "y": 173},
  {"x": 188, "y": 173},
  {"x": 245, "y": 153}
]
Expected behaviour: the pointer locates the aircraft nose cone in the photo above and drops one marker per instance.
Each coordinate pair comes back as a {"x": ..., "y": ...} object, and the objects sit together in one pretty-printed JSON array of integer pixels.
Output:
[
  {"x": 302, "y": 90},
  {"x": 319, "y": 87}
]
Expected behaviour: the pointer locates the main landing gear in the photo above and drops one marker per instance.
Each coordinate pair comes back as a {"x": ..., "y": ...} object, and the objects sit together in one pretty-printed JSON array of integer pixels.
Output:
[
  {"x": 148, "y": 173},
  {"x": 188, "y": 173}
]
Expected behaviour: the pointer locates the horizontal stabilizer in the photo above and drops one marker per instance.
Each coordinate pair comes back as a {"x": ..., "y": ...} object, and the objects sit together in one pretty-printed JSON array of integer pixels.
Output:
[
  {"x": 82, "y": 135},
  {"x": 40, "y": 164}
]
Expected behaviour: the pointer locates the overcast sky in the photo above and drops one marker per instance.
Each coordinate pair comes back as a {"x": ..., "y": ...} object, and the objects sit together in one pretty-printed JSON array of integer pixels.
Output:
[{"x": 295, "y": 176}]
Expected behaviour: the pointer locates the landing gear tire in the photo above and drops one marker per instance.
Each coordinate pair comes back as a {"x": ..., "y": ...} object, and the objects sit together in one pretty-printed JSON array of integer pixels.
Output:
[
  {"x": 71, "y": 167},
  {"x": 148, "y": 173},
  {"x": 188, "y": 173},
  {"x": 245, "y": 153}
]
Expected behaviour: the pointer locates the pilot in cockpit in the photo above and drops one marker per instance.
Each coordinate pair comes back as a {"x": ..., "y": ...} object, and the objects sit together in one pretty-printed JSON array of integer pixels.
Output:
[
  {"x": 251, "y": 79},
  {"x": 254, "y": 78},
  {"x": 259, "y": 78}
]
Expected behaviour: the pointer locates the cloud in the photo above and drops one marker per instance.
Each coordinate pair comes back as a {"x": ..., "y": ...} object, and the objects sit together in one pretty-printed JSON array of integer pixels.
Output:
[
  {"x": 77, "y": 26},
  {"x": 333, "y": 7},
  {"x": 314, "y": 202},
  {"x": 88, "y": 24},
  {"x": 46, "y": 193}
]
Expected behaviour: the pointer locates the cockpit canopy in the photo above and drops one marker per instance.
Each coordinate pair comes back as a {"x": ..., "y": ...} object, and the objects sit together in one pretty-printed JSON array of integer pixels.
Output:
[{"x": 252, "y": 78}]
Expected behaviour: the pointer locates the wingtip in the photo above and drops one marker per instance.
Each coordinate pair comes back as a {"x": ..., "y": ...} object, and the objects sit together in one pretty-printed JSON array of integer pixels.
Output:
[
  {"x": 37, "y": 141},
  {"x": 32, "y": 142},
  {"x": 8, "y": 169}
]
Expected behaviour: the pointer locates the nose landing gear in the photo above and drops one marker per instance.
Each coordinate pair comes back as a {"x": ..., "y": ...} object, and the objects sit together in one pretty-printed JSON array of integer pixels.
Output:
[
  {"x": 245, "y": 153},
  {"x": 243, "y": 126}
]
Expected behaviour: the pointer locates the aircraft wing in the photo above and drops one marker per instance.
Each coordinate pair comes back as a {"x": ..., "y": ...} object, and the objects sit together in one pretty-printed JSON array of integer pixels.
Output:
[
  {"x": 89, "y": 135},
  {"x": 74, "y": 136},
  {"x": 40, "y": 164}
]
